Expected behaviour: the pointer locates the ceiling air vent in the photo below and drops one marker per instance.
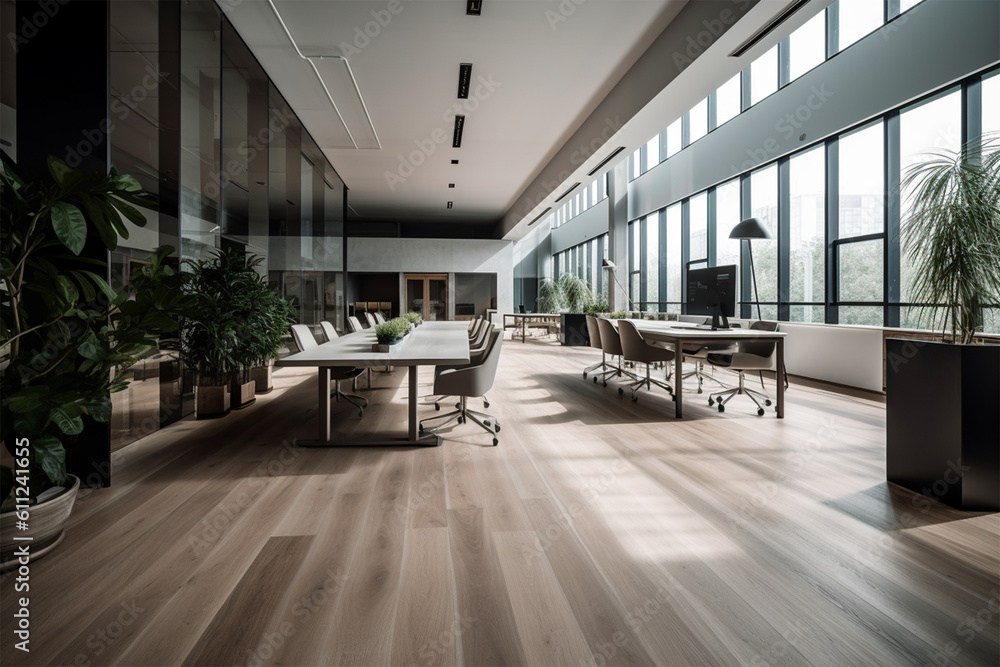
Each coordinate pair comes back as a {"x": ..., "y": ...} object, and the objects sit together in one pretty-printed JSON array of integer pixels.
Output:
[
  {"x": 563, "y": 195},
  {"x": 456, "y": 140},
  {"x": 605, "y": 161},
  {"x": 540, "y": 216},
  {"x": 464, "y": 78},
  {"x": 782, "y": 16}
]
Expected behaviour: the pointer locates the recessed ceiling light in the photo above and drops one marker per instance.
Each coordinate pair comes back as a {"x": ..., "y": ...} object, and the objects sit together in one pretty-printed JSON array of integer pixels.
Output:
[
  {"x": 474, "y": 7},
  {"x": 451, "y": 185},
  {"x": 454, "y": 161},
  {"x": 450, "y": 204},
  {"x": 456, "y": 140},
  {"x": 464, "y": 79}
]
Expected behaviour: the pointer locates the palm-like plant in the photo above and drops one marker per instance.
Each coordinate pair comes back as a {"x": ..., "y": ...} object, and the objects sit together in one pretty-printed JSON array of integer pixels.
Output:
[
  {"x": 953, "y": 235},
  {"x": 576, "y": 293},
  {"x": 550, "y": 297}
]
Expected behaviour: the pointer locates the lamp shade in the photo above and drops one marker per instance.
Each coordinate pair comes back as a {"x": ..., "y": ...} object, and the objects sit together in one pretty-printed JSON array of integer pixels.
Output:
[
  {"x": 751, "y": 228},
  {"x": 608, "y": 264}
]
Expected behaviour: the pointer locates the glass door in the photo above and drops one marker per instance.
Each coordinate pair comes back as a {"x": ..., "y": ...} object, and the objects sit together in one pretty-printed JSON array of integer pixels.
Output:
[{"x": 427, "y": 294}]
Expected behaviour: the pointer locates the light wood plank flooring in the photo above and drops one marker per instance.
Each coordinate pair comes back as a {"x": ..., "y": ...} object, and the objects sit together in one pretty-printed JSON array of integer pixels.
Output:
[{"x": 599, "y": 532}]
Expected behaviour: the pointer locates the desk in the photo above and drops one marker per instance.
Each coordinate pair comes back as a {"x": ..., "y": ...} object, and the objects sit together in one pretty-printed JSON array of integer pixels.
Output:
[
  {"x": 430, "y": 344},
  {"x": 677, "y": 334},
  {"x": 524, "y": 318}
]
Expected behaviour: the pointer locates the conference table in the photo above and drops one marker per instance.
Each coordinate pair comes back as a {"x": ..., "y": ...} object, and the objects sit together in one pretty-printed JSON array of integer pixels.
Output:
[
  {"x": 549, "y": 319},
  {"x": 678, "y": 335},
  {"x": 430, "y": 344}
]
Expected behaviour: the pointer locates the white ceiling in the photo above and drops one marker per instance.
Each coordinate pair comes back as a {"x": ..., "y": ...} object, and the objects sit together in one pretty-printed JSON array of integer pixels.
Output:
[
  {"x": 559, "y": 71},
  {"x": 549, "y": 68}
]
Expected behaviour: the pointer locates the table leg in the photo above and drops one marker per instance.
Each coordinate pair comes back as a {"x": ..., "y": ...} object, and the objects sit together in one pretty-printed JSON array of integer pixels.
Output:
[
  {"x": 324, "y": 404},
  {"x": 779, "y": 380},
  {"x": 411, "y": 407},
  {"x": 678, "y": 378},
  {"x": 524, "y": 330}
]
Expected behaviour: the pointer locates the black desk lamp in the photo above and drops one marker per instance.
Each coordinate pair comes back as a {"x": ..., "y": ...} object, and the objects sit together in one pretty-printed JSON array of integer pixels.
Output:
[
  {"x": 611, "y": 267},
  {"x": 750, "y": 229}
]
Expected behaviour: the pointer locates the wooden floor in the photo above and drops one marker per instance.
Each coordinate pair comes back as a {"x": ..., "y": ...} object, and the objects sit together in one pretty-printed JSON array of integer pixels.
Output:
[{"x": 600, "y": 531}]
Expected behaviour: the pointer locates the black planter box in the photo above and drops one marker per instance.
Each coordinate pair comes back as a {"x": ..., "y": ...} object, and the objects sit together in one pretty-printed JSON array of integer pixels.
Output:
[
  {"x": 573, "y": 329},
  {"x": 943, "y": 421}
]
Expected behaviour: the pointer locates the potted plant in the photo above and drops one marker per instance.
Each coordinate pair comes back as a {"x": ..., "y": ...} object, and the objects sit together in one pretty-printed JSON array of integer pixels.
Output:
[
  {"x": 210, "y": 334},
  {"x": 390, "y": 333},
  {"x": 273, "y": 317},
  {"x": 942, "y": 395},
  {"x": 577, "y": 296},
  {"x": 550, "y": 297},
  {"x": 414, "y": 319},
  {"x": 67, "y": 337}
]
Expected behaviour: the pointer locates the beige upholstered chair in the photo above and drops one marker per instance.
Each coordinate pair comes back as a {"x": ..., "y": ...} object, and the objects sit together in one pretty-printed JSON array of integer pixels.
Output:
[
  {"x": 595, "y": 341},
  {"x": 750, "y": 356},
  {"x": 305, "y": 340},
  {"x": 637, "y": 350},
  {"x": 371, "y": 319},
  {"x": 611, "y": 344},
  {"x": 466, "y": 381}
]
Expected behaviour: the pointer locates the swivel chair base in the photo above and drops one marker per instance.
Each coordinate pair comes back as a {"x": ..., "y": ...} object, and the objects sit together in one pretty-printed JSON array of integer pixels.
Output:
[
  {"x": 461, "y": 415},
  {"x": 760, "y": 399},
  {"x": 648, "y": 382}
]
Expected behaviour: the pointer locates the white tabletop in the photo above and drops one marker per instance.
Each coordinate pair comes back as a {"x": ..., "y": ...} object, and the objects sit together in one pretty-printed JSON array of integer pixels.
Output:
[
  {"x": 430, "y": 344},
  {"x": 658, "y": 329}
]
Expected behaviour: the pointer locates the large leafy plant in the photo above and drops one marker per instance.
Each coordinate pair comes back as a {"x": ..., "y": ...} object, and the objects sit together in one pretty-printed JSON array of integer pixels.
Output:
[
  {"x": 576, "y": 293},
  {"x": 550, "y": 297},
  {"x": 68, "y": 338},
  {"x": 237, "y": 321},
  {"x": 952, "y": 235}
]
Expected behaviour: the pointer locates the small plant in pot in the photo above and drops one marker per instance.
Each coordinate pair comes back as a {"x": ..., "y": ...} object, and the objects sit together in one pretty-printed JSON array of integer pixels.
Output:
[
  {"x": 942, "y": 396},
  {"x": 389, "y": 333},
  {"x": 271, "y": 319},
  {"x": 413, "y": 318},
  {"x": 67, "y": 337}
]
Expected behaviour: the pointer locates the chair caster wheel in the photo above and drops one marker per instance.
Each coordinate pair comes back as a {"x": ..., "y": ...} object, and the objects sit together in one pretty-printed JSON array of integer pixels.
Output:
[
  {"x": 437, "y": 407},
  {"x": 673, "y": 397},
  {"x": 700, "y": 391},
  {"x": 722, "y": 408},
  {"x": 486, "y": 404},
  {"x": 595, "y": 380},
  {"x": 760, "y": 412},
  {"x": 605, "y": 383},
  {"x": 495, "y": 442},
  {"x": 361, "y": 413},
  {"x": 620, "y": 391},
  {"x": 585, "y": 375},
  {"x": 458, "y": 406},
  {"x": 711, "y": 402},
  {"x": 498, "y": 428},
  {"x": 635, "y": 399},
  {"x": 487, "y": 424},
  {"x": 767, "y": 403}
]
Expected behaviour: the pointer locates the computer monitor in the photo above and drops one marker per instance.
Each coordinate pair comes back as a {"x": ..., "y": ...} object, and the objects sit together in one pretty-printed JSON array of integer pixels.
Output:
[{"x": 712, "y": 292}]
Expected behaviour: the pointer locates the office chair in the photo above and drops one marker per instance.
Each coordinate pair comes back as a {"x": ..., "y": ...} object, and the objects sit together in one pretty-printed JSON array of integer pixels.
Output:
[
  {"x": 750, "y": 356},
  {"x": 379, "y": 317},
  {"x": 637, "y": 350},
  {"x": 330, "y": 332},
  {"x": 697, "y": 354},
  {"x": 466, "y": 381},
  {"x": 611, "y": 344},
  {"x": 371, "y": 319},
  {"x": 305, "y": 340},
  {"x": 354, "y": 324},
  {"x": 477, "y": 350},
  {"x": 595, "y": 341}
]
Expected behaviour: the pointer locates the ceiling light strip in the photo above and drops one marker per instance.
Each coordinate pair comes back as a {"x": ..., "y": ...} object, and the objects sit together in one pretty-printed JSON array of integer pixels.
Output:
[
  {"x": 357, "y": 90},
  {"x": 540, "y": 216},
  {"x": 319, "y": 78},
  {"x": 566, "y": 194}
]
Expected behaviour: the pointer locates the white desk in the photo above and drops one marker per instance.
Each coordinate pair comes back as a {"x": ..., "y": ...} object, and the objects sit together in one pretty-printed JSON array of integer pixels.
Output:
[
  {"x": 679, "y": 334},
  {"x": 430, "y": 344}
]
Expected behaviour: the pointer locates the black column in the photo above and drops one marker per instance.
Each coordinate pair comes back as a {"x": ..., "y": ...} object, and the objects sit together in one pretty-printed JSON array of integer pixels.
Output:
[{"x": 62, "y": 110}]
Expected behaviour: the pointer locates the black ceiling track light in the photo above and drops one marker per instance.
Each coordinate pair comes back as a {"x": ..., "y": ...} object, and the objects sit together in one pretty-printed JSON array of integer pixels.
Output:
[
  {"x": 565, "y": 194},
  {"x": 474, "y": 7},
  {"x": 464, "y": 79},
  {"x": 605, "y": 160},
  {"x": 456, "y": 140},
  {"x": 540, "y": 216}
]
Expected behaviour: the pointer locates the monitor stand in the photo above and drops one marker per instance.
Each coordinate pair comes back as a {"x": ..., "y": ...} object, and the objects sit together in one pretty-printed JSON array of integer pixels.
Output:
[{"x": 719, "y": 320}]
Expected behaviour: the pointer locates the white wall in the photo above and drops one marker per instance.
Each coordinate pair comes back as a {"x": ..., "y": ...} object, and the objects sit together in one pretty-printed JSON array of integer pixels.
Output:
[{"x": 438, "y": 256}]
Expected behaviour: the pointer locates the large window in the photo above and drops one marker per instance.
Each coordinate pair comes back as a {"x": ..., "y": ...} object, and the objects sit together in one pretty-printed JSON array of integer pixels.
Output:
[
  {"x": 652, "y": 297},
  {"x": 862, "y": 182},
  {"x": 699, "y": 226},
  {"x": 856, "y": 18},
  {"x": 698, "y": 123},
  {"x": 674, "y": 261},
  {"x": 653, "y": 152},
  {"x": 923, "y": 129},
  {"x": 807, "y": 46},
  {"x": 807, "y": 248},
  {"x": 764, "y": 76},
  {"x": 764, "y": 207},
  {"x": 727, "y": 215},
  {"x": 727, "y": 101},
  {"x": 991, "y": 103},
  {"x": 674, "y": 137}
]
